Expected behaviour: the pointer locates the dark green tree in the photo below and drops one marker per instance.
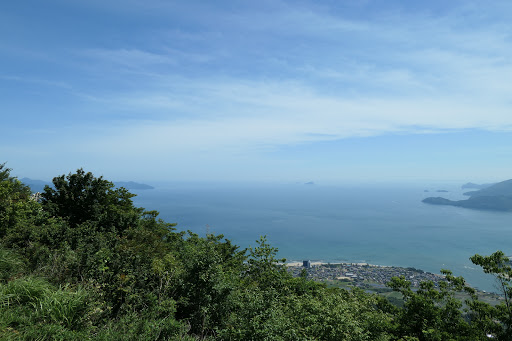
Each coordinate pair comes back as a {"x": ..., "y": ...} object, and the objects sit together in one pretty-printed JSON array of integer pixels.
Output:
[
  {"x": 14, "y": 200},
  {"x": 495, "y": 320},
  {"x": 263, "y": 266},
  {"x": 433, "y": 313},
  {"x": 82, "y": 197},
  {"x": 211, "y": 273}
]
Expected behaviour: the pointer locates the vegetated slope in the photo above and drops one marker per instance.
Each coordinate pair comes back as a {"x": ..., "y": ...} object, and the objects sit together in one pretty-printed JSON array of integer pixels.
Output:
[
  {"x": 475, "y": 186},
  {"x": 503, "y": 188},
  {"x": 495, "y": 197},
  {"x": 82, "y": 263}
]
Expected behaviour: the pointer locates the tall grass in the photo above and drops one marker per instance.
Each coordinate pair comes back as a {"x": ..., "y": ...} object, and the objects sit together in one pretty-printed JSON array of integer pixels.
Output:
[
  {"x": 10, "y": 264},
  {"x": 63, "y": 306},
  {"x": 31, "y": 308},
  {"x": 25, "y": 290}
]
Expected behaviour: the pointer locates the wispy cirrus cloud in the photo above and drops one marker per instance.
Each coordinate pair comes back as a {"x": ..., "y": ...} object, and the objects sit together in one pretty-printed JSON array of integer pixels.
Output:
[
  {"x": 130, "y": 58},
  {"x": 257, "y": 116}
]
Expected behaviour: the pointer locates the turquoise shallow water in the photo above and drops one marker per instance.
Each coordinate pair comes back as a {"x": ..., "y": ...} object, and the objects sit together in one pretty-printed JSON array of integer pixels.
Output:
[{"x": 384, "y": 225}]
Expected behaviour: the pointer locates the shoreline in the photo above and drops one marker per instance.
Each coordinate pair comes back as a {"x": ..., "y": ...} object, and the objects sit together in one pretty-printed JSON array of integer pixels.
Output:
[
  {"x": 361, "y": 274},
  {"x": 412, "y": 274},
  {"x": 371, "y": 277},
  {"x": 319, "y": 263}
]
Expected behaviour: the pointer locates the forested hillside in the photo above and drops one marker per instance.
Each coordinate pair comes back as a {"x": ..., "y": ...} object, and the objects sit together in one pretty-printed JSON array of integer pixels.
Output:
[
  {"x": 81, "y": 262},
  {"x": 497, "y": 197}
]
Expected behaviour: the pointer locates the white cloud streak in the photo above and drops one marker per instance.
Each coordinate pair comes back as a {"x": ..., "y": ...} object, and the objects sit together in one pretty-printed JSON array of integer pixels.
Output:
[
  {"x": 270, "y": 115},
  {"x": 253, "y": 81}
]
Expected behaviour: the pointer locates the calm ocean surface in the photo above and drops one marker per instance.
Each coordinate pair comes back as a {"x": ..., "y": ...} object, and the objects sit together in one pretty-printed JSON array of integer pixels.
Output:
[{"x": 384, "y": 225}]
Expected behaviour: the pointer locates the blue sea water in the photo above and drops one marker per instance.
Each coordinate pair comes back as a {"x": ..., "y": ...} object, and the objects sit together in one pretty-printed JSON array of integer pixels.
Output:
[{"x": 383, "y": 225}]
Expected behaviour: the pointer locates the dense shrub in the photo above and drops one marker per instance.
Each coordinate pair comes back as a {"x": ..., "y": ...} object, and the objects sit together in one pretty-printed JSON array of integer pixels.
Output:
[{"x": 83, "y": 263}]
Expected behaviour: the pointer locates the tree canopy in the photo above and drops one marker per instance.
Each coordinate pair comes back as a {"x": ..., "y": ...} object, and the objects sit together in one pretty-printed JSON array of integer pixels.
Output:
[{"x": 83, "y": 263}]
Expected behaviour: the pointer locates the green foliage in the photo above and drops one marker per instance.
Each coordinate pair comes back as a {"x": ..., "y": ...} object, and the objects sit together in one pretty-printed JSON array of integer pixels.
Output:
[
  {"x": 84, "y": 264},
  {"x": 296, "y": 314},
  {"x": 262, "y": 265},
  {"x": 25, "y": 290},
  {"x": 81, "y": 197},
  {"x": 137, "y": 327},
  {"x": 486, "y": 316},
  {"x": 271, "y": 305},
  {"x": 14, "y": 200},
  {"x": 210, "y": 273},
  {"x": 432, "y": 313},
  {"x": 339, "y": 315},
  {"x": 10, "y": 264},
  {"x": 32, "y": 306}
]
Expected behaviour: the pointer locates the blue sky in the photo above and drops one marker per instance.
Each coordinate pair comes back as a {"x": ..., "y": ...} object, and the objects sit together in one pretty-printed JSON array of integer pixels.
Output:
[{"x": 329, "y": 91}]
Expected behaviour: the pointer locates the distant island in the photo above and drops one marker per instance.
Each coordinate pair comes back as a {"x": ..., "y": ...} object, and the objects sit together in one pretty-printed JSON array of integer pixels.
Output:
[
  {"x": 132, "y": 185},
  {"x": 442, "y": 191},
  {"x": 497, "y": 197}
]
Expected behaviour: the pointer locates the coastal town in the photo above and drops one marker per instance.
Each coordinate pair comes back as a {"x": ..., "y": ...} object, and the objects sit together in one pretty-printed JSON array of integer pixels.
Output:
[{"x": 360, "y": 274}]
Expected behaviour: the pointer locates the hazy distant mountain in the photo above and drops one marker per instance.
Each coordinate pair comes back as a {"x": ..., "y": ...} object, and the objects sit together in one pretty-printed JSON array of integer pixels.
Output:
[
  {"x": 494, "y": 197},
  {"x": 501, "y": 188},
  {"x": 132, "y": 185},
  {"x": 35, "y": 185},
  {"x": 471, "y": 185},
  {"x": 496, "y": 203}
]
